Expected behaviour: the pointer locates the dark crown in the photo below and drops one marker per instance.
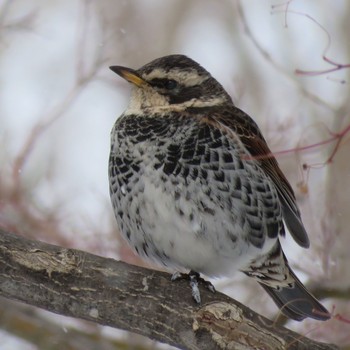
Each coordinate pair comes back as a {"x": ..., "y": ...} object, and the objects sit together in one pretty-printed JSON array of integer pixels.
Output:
[
  {"x": 167, "y": 63},
  {"x": 181, "y": 79}
]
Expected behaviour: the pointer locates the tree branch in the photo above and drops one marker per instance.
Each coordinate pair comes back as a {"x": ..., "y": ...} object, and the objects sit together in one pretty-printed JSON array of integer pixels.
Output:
[{"x": 109, "y": 292}]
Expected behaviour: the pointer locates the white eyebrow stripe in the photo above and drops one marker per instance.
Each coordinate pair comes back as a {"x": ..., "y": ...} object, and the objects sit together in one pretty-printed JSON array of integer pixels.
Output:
[{"x": 187, "y": 78}]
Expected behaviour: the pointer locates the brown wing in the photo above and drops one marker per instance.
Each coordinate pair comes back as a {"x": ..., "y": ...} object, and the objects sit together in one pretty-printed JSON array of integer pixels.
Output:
[{"x": 249, "y": 133}]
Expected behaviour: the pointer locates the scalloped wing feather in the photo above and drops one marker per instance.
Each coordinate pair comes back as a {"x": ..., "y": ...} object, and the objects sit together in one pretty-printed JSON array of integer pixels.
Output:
[{"x": 247, "y": 130}]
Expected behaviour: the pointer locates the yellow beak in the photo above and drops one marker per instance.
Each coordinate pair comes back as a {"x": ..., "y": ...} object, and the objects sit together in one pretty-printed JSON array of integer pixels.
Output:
[{"x": 128, "y": 74}]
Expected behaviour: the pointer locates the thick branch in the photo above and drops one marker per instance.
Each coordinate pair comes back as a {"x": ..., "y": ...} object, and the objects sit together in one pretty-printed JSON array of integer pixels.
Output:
[{"x": 78, "y": 284}]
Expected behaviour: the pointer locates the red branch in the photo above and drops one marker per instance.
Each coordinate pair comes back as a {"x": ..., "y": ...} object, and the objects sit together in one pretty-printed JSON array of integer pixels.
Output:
[
  {"x": 337, "y": 66},
  {"x": 335, "y": 137}
]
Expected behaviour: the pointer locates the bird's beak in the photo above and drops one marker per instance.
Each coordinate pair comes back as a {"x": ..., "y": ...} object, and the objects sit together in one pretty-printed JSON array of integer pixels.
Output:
[{"x": 128, "y": 74}]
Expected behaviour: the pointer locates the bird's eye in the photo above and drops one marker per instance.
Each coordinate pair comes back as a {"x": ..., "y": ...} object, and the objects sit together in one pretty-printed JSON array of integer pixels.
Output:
[
  {"x": 164, "y": 84},
  {"x": 170, "y": 84}
]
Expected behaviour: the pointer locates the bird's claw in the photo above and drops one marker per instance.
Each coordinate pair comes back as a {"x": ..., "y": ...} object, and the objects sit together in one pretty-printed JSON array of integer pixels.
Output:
[
  {"x": 195, "y": 279},
  {"x": 177, "y": 276},
  {"x": 196, "y": 295}
]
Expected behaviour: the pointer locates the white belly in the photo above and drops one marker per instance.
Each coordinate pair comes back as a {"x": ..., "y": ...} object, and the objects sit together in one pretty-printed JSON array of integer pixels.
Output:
[{"x": 193, "y": 240}]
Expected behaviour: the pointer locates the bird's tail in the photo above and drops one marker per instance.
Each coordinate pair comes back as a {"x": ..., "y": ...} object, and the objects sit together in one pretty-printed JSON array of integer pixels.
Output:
[{"x": 275, "y": 275}]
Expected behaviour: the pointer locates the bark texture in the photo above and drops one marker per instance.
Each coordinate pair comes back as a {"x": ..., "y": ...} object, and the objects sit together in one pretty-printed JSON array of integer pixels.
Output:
[{"x": 109, "y": 292}]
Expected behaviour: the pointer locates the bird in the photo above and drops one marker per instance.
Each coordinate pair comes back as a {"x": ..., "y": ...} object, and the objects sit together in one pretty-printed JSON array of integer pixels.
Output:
[{"x": 195, "y": 187}]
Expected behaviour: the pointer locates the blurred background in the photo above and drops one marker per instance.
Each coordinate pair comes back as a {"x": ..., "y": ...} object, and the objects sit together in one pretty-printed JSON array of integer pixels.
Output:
[{"x": 286, "y": 63}]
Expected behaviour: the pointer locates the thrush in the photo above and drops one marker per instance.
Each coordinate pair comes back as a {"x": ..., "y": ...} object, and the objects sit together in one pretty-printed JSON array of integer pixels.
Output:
[{"x": 194, "y": 185}]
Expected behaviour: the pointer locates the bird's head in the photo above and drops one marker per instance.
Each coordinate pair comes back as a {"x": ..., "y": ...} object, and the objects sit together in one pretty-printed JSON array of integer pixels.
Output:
[{"x": 173, "y": 82}]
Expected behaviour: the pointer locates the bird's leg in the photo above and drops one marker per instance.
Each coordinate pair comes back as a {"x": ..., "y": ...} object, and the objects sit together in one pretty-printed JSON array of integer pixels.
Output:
[{"x": 195, "y": 279}]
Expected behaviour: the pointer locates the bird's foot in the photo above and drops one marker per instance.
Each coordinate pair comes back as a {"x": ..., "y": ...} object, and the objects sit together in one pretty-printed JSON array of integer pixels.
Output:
[{"x": 195, "y": 279}]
